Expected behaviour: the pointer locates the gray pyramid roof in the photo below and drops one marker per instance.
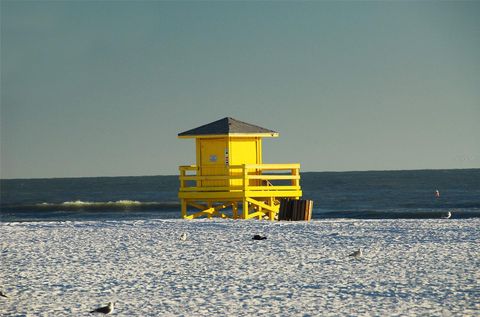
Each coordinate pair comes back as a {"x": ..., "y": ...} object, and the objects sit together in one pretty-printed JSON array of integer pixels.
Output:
[{"x": 228, "y": 126}]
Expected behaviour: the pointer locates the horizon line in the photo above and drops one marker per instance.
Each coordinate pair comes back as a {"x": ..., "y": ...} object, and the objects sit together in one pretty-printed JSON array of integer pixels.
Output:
[{"x": 302, "y": 172}]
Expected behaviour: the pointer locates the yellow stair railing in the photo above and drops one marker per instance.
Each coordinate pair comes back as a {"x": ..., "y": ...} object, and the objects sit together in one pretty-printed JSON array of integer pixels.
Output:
[{"x": 257, "y": 187}]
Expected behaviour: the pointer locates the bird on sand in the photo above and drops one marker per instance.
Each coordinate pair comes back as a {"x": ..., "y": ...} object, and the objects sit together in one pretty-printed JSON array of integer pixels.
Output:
[
  {"x": 356, "y": 254},
  {"x": 104, "y": 310},
  {"x": 2, "y": 294},
  {"x": 183, "y": 237},
  {"x": 448, "y": 215},
  {"x": 259, "y": 237}
]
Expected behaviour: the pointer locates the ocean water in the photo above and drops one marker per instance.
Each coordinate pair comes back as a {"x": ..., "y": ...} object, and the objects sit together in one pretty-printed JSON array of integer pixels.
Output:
[{"x": 365, "y": 195}]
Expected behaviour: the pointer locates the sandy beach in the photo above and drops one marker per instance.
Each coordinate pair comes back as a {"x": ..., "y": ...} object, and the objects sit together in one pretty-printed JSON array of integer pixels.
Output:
[{"x": 408, "y": 268}]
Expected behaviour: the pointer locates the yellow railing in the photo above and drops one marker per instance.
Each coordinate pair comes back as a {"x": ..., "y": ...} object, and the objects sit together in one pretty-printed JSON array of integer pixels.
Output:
[{"x": 246, "y": 177}]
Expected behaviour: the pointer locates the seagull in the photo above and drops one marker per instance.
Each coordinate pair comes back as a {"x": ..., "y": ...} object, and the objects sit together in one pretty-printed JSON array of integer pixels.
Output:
[
  {"x": 104, "y": 310},
  {"x": 448, "y": 215},
  {"x": 258, "y": 237},
  {"x": 2, "y": 294},
  {"x": 183, "y": 237},
  {"x": 357, "y": 253}
]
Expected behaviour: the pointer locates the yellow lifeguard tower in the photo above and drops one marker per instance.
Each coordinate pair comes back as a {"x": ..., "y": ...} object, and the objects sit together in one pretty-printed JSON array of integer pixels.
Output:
[{"x": 229, "y": 179}]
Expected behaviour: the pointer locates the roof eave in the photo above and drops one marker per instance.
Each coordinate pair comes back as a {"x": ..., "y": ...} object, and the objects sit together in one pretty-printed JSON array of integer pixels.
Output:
[{"x": 231, "y": 135}]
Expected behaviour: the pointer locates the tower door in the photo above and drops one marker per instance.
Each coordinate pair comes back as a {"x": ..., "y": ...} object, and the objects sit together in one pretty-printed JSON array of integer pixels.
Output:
[{"x": 212, "y": 161}]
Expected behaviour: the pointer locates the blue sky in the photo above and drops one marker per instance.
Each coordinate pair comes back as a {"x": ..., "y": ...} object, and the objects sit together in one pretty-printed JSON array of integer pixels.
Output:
[{"x": 102, "y": 88}]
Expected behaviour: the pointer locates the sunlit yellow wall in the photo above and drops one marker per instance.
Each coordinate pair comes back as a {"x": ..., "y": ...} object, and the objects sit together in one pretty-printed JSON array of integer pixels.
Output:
[{"x": 244, "y": 151}]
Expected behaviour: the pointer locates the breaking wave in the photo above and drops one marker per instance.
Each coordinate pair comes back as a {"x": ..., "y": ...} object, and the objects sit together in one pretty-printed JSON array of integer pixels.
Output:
[{"x": 108, "y": 203}]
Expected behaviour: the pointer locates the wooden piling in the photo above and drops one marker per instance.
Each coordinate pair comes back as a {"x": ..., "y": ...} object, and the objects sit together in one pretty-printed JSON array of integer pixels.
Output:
[{"x": 295, "y": 210}]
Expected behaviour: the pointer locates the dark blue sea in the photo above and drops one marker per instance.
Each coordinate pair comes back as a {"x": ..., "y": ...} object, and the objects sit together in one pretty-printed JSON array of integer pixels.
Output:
[{"x": 365, "y": 195}]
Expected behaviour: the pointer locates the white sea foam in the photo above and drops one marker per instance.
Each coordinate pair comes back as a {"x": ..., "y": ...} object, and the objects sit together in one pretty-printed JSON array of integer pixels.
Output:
[
  {"x": 89, "y": 203},
  {"x": 408, "y": 267},
  {"x": 77, "y": 203},
  {"x": 80, "y": 203}
]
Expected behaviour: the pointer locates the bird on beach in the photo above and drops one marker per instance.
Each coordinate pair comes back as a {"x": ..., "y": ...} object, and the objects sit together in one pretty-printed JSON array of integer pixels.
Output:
[
  {"x": 2, "y": 294},
  {"x": 448, "y": 215},
  {"x": 356, "y": 254},
  {"x": 183, "y": 237},
  {"x": 104, "y": 310},
  {"x": 259, "y": 237}
]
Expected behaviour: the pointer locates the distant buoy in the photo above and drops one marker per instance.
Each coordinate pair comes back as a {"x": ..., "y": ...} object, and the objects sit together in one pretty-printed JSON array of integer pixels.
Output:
[{"x": 437, "y": 194}]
